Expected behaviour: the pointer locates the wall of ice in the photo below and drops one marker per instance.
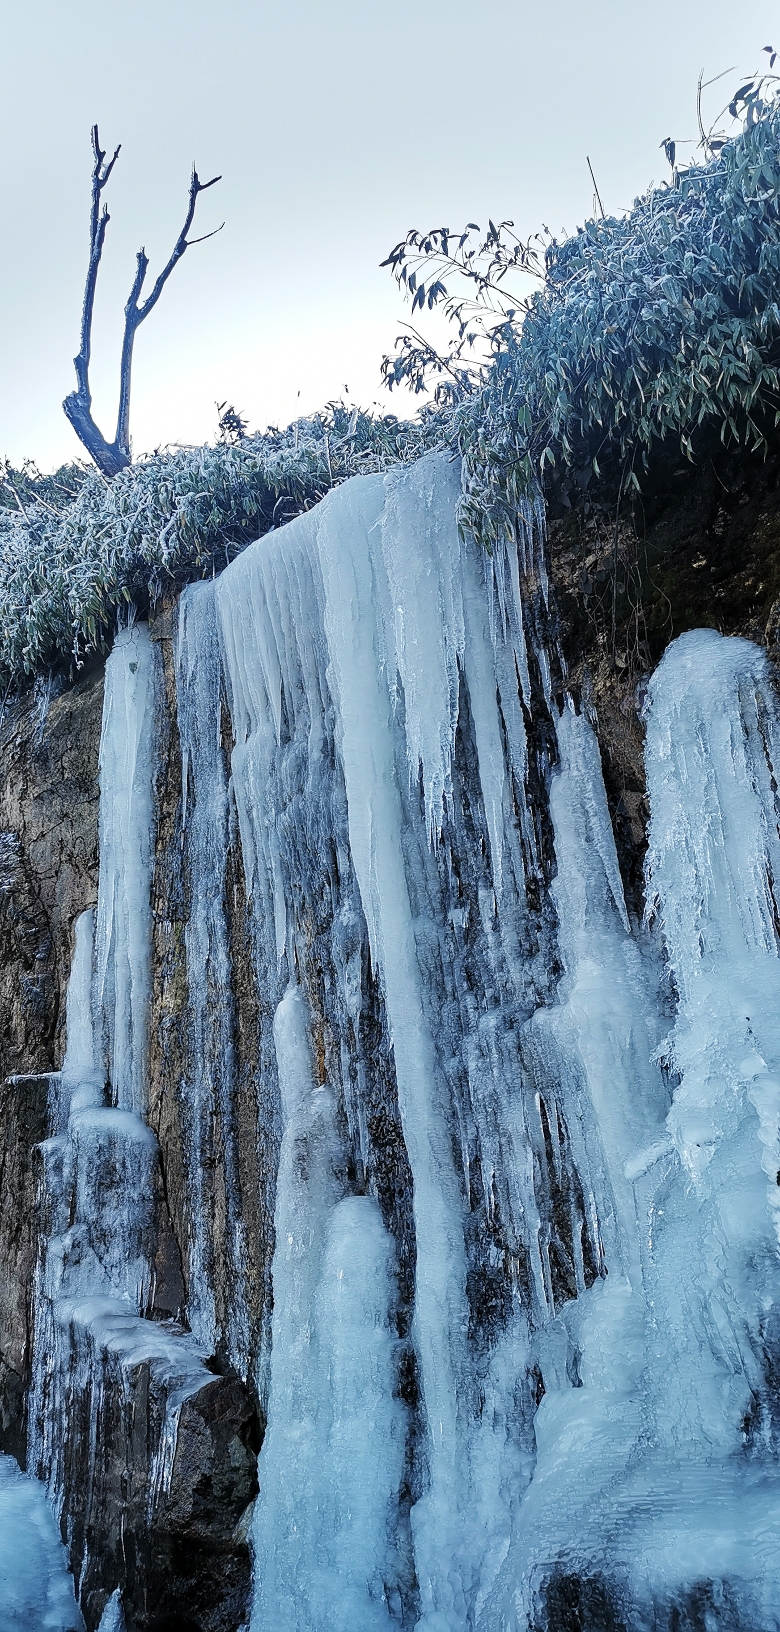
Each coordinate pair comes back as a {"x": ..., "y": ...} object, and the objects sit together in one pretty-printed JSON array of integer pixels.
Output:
[
  {"x": 524, "y": 1149},
  {"x": 583, "y": 1269}
]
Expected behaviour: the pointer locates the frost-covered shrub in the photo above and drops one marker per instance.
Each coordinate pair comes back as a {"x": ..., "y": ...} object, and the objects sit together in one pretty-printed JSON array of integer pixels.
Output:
[
  {"x": 646, "y": 327},
  {"x": 75, "y": 548}
]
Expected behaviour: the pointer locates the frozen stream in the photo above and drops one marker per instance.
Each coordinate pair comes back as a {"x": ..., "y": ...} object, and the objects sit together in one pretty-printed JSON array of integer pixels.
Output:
[{"x": 36, "y": 1591}]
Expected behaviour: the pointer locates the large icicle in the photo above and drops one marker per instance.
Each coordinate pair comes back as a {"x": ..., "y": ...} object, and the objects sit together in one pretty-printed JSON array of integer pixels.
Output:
[
  {"x": 713, "y": 755},
  {"x": 331, "y": 1465},
  {"x": 207, "y": 1094},
  {"x": 123, "y": 919},
  {"x": 365, "y": 740},
  {"x": 362, "y": 631}
]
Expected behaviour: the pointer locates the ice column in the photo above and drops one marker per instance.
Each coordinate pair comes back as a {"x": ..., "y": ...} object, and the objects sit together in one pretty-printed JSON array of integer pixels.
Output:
[
  {"x": 207, "y": 1091},
  {"x": 713, "y": 757},
  {"x": 123, "y": 934},
  {"x": 332, "y": 1459},
  {"x": 347, "y": 531}
]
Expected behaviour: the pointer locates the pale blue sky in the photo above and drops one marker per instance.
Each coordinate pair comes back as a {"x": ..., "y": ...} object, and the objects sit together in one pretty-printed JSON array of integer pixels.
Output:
[{"x": 336, "y": 126}]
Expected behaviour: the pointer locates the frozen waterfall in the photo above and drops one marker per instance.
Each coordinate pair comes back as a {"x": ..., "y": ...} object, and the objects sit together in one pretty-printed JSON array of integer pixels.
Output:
[
  {"x": 520, "y": 1151},
  {"x": 593, "y": 1195}
]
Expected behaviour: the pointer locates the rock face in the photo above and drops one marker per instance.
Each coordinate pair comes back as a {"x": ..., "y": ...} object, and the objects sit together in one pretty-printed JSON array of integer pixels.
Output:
[
  {"x": 189, "y": 1545},
  {"x": 24, "y": 1119},
  {"x": 48, "y": 874}
]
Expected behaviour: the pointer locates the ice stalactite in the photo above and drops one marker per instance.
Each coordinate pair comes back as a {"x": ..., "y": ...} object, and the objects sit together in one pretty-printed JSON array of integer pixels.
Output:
[
  {"x": 350, "y": 641},
  {"x": 122, "y": 937},
  {"x": 326, "y": 1545},
  {"x": 713, "y": 757},
  {"x": 207, "y": 1094}
]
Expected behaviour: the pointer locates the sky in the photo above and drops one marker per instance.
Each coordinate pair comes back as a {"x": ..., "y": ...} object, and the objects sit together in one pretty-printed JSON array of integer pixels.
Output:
[{"x": 336, "y": 126}]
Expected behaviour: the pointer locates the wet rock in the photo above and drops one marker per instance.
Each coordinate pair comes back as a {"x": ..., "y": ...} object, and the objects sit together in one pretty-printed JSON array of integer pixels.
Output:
[
  {"x": 179, "y": 1549},
  {"x": 24, "y": 1105}
]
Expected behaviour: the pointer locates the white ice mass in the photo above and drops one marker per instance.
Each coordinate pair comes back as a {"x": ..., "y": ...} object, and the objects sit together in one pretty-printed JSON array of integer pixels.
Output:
[
  {"x": 531, "y": 1358},
  {"x": 36, "y": 1591}
]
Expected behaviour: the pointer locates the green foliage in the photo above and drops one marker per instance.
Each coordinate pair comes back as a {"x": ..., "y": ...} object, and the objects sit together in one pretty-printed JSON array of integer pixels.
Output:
[
  {"x": 18, "y": 488},
  {"x": 646, "y": 327},
  {"x": 75, "y": 548}
]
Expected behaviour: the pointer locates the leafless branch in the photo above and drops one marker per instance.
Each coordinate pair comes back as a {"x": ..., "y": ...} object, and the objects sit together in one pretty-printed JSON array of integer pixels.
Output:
[
  {"x": 111, "y": 457},
  {"x": 595, "y": 186}
]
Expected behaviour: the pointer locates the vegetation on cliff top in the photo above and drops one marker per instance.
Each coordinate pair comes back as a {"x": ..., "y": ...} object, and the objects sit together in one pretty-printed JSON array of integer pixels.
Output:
[
  {"x": 644, "y": 328},
  {"x": 75, "y": 548}
]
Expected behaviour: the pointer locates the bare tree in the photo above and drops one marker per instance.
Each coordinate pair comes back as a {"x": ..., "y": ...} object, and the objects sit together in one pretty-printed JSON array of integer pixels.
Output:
[{"x": 111, "y": 457}]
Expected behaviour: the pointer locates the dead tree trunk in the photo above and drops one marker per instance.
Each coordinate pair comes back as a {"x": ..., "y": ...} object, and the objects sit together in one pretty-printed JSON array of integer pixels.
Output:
[{"x": 111, "y": 457}]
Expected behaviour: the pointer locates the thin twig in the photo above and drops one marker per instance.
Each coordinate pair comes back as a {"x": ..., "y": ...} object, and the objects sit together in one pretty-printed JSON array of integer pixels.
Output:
[{"x": 595, "y": 187}]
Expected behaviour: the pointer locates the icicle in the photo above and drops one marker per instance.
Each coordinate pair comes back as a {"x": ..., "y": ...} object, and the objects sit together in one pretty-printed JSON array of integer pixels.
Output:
[
  {"x": 82, "y": 1078},
  {"x": 332, "y": 1459},
  {"x": 421, "y": 636},
  {"x": 207, "y": 1094},
  {"x": 365, "y": 740},
  {"x": 122, "y": 936},
  {"x": 713, "y": 754}
]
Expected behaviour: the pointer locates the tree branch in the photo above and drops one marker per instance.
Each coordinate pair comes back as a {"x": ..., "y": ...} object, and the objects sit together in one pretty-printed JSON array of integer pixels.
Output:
[
  {"x": 78, "y": 405},
  {"x": 111, "y": 457}
]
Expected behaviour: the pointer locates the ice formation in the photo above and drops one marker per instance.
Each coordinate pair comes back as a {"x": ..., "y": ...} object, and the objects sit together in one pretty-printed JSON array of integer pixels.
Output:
[
  {"x": 95, "y": 1276},
  {"x": 36, "y": 1591},
  {"x": 526, "y": 1148},
  {"x": 383, "y": 687}
]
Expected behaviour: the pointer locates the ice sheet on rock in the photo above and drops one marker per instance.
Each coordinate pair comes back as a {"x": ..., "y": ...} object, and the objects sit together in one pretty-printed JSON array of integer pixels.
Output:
[
  {"x": 122, "y": 936},
  {"x": 112, "y": 1619},
  {"x": 36, "y": 1590}
]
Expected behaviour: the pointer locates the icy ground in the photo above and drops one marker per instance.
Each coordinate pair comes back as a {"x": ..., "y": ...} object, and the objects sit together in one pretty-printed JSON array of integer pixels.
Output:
[{"x": 36, "y": 1591}]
